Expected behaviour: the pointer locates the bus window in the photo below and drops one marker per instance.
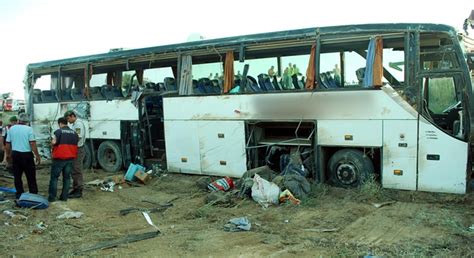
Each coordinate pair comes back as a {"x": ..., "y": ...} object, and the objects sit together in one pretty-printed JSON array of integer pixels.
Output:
[
  {"x": 294, "y": 71},
  {"x": 43, "y": 82},
  {"x": 441, "y": 94},
  {"x": 394, "y": 64},
  {"x": 157, "y": 75},
  {"x": 439, "y": 55}
]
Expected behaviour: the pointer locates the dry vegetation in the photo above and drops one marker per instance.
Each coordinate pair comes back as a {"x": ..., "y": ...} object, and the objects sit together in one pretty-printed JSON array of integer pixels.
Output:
[{"x": 332, "y": 222}]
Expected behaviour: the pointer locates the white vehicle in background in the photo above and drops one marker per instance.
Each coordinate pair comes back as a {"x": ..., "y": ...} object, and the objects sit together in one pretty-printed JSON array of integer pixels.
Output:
[{"x": 18, "y": 105}]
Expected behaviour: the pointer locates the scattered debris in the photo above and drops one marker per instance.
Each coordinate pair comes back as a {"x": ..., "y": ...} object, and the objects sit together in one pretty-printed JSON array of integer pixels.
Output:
[
  {"x": 40, "y": 228},
  {"x": 107, "y": 186},
  {"x": 321, "y": 229},
  {"x": 116, "y": 242},
  {"x": 143, "y": 177},
  {"x": 378, "y": 205},
  {"x": 160, "y": 208},
  {"x": 148, "y": 219},
  {"x": 223, "y": 184},
  {"x": 264, "y": 192},
  {"x": 70, "y": 215},
  {"x": 471, "y": 228},
  {"x": 297, "y": 184},
  {"x": 14, "y": 217},
  {"x": 96, "y": 182},
  {"x": 288, "y": 196},
  {"x": 238, "y": 224}
]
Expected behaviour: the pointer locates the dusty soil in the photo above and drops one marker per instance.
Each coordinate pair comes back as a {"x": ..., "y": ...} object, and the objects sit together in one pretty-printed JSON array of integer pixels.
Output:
[{"x": 415, "y": 224}]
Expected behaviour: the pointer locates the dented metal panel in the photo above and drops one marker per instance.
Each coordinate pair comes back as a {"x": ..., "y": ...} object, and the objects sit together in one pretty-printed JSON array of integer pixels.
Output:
[
  {"x": 360, "y": 133},
  {"x": 400, "y": 139},
  {"x": 442, "y": 160}
]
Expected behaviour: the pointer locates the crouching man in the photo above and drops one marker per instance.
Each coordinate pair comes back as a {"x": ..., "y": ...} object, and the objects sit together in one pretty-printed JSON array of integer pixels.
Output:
[{"x": 64, "y": 144}]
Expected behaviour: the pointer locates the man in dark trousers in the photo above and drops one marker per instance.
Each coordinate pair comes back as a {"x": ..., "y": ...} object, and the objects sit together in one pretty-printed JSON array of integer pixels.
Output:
[
  {"x": 20, "y": 148},
  {"x": 77, "y": 125},
  {"x": 64, "y": 144}
]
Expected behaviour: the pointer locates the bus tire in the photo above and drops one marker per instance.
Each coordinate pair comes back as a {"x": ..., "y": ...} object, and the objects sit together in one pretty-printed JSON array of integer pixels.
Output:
[
  {"x": 350, "y": 168},
  {"x": 87, "y": 162},
  {"x": 109, "y": 156}
]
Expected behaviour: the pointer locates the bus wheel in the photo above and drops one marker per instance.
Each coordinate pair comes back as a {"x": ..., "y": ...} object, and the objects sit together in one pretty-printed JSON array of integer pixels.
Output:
[
  {"x": 109, "y": 156},
  {"x": 87, "y": 162},
  {"x": 350, "y": 168}
]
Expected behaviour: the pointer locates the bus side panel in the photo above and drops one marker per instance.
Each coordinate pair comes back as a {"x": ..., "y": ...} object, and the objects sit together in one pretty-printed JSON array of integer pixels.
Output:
[
  {"x": 222, "y": 148},
  {"x": 113, "y": 110},
  {"x": 103, "y": 129},
  {"x": 442, "y": 161},
  {"x": 399, "y": 154},
  {"x": 182, "y": 146},
  {"x": 360, "y": 133}
]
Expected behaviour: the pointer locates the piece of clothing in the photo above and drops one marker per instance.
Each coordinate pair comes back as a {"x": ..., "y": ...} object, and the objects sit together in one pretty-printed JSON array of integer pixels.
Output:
[
  {"x": 20, "y": 137},
  {"x": 77, "y": 178},
  {"x": 66, "y": 144},
  {"x": 58, "y": 167},
  {"x": 79, "y": 127},
  {"x": 24, "y": 162}
]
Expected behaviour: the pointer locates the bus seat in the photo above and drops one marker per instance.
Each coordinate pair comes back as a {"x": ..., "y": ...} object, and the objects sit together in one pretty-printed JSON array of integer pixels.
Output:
[
  {"x": 276, "y": 83},
  {"x": 265, "y": 83},
  {"x": 160, "y": 86},
  {"x": 65, "y": 94},
  {"x": 170, "y": 84},
  {"x": 78, "y": 94},
  {"x": 95, "y": 93},
  {"x": 252, "y": 85},
  {"x": 151, "y": 86},
  {"x": 360, "y": 74},
  {"x": 111, "y": 92},
  {"x": 49, "y": 96},
  {"x": 217, "y": 86},
  {"x": 37, "y": 96},
  {"x": 196, "y": 89}
]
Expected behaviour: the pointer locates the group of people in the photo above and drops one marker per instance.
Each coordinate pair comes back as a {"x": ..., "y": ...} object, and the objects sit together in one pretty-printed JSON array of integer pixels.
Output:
[{"x": 67, "y": 155}]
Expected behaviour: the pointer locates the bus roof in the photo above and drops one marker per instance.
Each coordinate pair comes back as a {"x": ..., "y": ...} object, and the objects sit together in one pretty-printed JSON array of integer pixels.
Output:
[{"x": 291, "y": 41}]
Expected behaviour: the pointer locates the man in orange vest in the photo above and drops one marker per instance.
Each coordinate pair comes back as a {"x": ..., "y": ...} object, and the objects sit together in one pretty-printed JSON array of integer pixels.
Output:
[{"x": 64, "y": 144}]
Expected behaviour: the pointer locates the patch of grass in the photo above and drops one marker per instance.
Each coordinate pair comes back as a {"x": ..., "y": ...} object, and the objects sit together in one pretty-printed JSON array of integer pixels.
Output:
[
  {"x": 318, "y": 191},
  {"x": 370, "y": 189}
]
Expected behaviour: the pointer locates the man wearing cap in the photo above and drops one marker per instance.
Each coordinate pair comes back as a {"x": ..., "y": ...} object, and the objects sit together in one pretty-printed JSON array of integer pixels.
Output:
[
  {"x": 77, "y": 125},
  {"x": 20, "y": 148},
  {"x": 64, "y": 145}
]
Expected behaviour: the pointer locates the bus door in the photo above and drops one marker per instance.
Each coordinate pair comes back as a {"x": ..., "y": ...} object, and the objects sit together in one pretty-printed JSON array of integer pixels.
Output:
[{"x": 442, "y": 150}]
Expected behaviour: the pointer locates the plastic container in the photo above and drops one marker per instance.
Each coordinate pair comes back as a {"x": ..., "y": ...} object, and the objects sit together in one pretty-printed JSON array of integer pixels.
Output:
[{"x": 132, "y": 169}]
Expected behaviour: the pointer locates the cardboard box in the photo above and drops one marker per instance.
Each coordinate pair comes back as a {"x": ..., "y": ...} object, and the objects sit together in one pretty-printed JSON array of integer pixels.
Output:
[
  {"x": 117, "y": 179},
  {"x": 142, "y": 176}
]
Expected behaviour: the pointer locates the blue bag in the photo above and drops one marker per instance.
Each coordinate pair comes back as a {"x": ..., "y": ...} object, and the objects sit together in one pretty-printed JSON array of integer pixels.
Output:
[{"x": 35, "y": 201}]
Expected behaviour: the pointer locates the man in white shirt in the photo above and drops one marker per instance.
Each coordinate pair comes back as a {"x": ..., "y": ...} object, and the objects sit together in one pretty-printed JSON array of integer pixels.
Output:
[{"x": 77, "y": 125}]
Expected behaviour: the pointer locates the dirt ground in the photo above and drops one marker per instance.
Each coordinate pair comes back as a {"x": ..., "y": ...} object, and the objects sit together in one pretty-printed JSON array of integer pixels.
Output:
[{"x": 332, "y": 222}]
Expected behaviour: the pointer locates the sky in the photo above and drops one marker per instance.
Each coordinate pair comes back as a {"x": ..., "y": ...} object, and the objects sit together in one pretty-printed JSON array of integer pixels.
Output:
[{"x": 43, "y": 30}]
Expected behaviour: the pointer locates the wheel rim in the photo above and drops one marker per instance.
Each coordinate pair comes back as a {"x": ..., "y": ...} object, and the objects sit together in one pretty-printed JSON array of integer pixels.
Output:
[
  {"x": 347, "y": 173},
  {"x": 110, "y": 157}
]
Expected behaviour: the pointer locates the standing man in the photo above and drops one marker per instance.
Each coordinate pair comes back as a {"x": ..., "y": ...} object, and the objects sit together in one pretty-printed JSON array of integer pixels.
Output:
[
  {"x": 64, "y": 144},
  {"x": 20, "y": 148},
  {"x": 77, "y": 125}
]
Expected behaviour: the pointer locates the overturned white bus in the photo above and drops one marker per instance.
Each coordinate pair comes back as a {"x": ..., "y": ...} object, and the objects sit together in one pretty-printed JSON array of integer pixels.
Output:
[{"x": 392, "y": 101}]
